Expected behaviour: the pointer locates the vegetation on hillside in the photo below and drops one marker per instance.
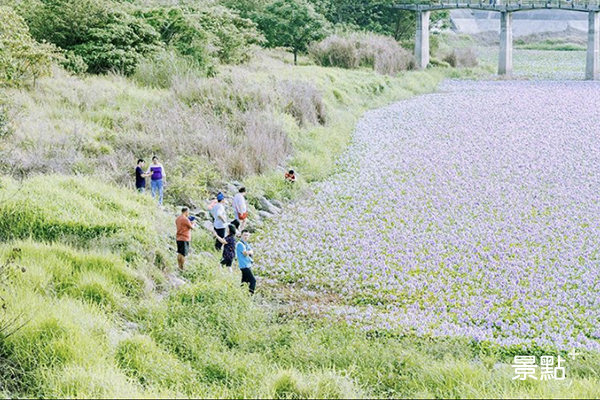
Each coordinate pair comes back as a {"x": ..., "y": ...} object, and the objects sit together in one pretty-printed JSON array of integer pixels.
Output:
[{"x": 87, "y": 265}]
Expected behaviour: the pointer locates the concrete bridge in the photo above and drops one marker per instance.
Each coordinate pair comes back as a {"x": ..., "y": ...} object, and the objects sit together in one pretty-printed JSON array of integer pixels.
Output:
[{"x": 506, "y": 9}]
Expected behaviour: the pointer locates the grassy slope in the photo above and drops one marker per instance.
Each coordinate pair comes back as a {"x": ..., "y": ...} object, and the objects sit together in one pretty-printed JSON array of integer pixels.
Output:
[
  {"x": 100, "y": 322},
  {"x": 90, "y": 264}
]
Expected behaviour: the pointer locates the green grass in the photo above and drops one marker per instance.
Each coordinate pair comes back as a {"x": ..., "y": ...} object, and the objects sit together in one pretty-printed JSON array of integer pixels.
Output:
[
  {"x": 551, "y": 46},
  {"x": 98, "y": 325}
]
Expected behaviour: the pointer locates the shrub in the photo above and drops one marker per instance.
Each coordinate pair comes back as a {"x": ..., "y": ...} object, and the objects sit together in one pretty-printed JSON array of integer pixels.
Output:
[
  {"x": 451, "y": 58},
  {"x": 22, "y": 59},
  {"x": 462, "y": 58},
  {"x": 381, "y": 53},
  {"x": 335, "y": 51}
]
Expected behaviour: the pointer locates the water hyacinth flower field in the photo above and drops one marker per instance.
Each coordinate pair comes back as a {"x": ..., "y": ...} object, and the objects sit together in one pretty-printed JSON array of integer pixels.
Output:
[
  {"x": 539, "y": 64},
  {"x": 471, "y": 212}
]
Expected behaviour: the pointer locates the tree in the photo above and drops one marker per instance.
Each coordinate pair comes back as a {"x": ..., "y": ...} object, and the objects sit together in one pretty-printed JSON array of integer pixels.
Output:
[
  {"x": 22, "y": 59},
  {"x": 119, "y": 45},
  {"x": 291, "y": 23},
  {"x": 101, "y": 33},
  {"x": 377, "y": 16},
  {"x": 204, "y": 33}
]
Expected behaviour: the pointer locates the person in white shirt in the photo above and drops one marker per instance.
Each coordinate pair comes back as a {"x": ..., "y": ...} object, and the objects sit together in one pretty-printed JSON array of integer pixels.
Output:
[
  {"x": 220, "y": 219},
  {"x": 240, "y": 209}
]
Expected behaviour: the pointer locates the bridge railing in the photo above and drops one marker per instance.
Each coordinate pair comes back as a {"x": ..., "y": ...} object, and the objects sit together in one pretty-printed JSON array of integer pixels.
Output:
[{"x": 566, "y": 4}]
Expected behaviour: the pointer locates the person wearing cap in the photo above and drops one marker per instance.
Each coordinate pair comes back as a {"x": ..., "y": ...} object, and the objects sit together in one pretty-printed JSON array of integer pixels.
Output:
[
  {"x": 220, "y": 219},
  {"x": 184, "y": 223}
]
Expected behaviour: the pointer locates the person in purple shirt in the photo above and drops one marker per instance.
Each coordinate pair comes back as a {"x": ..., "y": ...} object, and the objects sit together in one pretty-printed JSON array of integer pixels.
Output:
[{"x": 157, "y": 179}]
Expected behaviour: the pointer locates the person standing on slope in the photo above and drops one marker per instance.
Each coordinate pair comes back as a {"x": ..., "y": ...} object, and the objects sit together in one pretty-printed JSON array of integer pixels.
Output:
[
  {"x": 157, "y": 179},
  {"x": 184, "y": 224},
  {"x": 140, "y": 176},
  {"x": 228, "y": 247},
  {"x": 244, "y": 254},
  {"x": 240, "y": 209},
  {"x": 220, "y": 219}
]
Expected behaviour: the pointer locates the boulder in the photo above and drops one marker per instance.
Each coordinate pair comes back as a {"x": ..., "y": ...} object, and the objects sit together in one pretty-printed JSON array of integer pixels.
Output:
[
  {"x": 232, "y": 189},
  {"x": 266, "y": 205},
  {"x": 175, "y": 281},
  {"x": 277, "y": 203},
  {"x": 237, "y": 184},
  {"x": 201, "y": 214},
  {"x": 208, "y": 225},
  {"x": 265, "y": 214}
]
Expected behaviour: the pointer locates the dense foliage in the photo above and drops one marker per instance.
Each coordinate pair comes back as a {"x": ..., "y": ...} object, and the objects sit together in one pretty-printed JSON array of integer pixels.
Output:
[
  {"x": 22, "y": 59},
  {"x": 204, "y": 34},
  {"x": 101, "y": 34}
]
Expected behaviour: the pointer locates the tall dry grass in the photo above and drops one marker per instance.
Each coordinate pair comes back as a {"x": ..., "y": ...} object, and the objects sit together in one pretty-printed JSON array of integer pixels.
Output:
[
  {"x": 231, "y": 125},
  {"x": 381, "y": 53}
]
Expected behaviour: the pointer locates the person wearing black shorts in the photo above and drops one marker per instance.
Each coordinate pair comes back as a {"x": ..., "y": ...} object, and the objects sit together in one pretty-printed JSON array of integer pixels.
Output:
[
  {"x": 228, "y": 247},
  {"x": 183, "y": 247},
  {"x": 184, "y": 224}
]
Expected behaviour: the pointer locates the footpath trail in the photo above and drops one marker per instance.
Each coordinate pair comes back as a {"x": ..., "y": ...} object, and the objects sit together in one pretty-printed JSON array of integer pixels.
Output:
[{"x": 473, "y": 212}]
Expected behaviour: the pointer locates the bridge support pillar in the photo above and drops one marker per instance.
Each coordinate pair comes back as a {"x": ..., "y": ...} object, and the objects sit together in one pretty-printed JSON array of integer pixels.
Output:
[
  {"x": 592, "y": 69},
  {"x": 422, "y": 40},
  {"x": 505, "y": 63}
]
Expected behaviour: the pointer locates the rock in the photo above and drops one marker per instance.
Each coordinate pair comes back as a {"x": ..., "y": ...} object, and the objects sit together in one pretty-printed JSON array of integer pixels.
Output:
[
  {"x": 265, "y": 214},
  {"x": 232, "y": 189},
  {"x": 208, "y": 225},
  {"x": 200, "y": 214},
  {"x": 191, "y": 204},
  {"x": 131, "y": 326},
  {"x": 277, "y": 203},
  {"x": 237, "y": 184},
  {"x": 266, "y": 205},
  {"x": 175, "y": 281}
]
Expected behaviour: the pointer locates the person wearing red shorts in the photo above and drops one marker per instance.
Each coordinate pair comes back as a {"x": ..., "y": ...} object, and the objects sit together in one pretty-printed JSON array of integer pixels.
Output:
[{"x": 240, "y": 209}]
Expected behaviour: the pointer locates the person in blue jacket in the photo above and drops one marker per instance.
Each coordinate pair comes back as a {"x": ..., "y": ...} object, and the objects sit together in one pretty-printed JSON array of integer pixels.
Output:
[{"x": 245, "y": 256}]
